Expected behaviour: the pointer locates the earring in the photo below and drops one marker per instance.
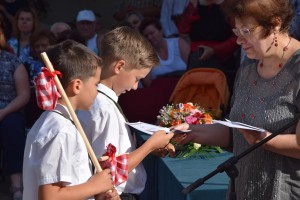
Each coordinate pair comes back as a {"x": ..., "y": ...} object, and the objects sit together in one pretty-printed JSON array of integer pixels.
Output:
[{"x": 275, "y": 40}]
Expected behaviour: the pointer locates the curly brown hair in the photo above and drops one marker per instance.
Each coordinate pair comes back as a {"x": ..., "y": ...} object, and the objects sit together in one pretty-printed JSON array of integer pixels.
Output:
[{"x": 268, "y": 13}]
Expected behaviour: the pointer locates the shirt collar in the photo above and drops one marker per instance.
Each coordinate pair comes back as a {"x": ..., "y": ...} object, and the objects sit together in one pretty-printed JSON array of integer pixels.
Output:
[
  {"x": 63, "y": 110},
  {"x": 109, "y": 92}
]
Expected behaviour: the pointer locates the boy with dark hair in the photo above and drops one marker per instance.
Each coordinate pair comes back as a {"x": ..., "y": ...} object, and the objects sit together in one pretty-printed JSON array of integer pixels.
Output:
[{"x": 56, "y": 162}]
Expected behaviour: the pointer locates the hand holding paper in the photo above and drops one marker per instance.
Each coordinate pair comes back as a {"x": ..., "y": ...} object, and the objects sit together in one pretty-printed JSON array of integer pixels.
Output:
[
  {"x": 150, "y": 128},
  {"x": 252, "y": 136}
]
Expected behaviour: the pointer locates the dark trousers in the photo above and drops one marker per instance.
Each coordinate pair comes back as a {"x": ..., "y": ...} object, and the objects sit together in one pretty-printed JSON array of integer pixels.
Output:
[
  {"x": 128, "y": 196},
  {"x": 12, "y": 141}
]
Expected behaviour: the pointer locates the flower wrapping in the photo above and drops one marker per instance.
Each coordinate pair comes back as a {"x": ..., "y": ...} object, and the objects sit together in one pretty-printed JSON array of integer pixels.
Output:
[
  {"x": 174, "y": 114},
  {"x": 46, "y": 91},
  {"x": 118, "y": 165}
]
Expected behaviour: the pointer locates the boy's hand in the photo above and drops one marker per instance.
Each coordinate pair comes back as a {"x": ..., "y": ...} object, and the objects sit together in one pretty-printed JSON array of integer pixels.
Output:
[
  {"x": 160, "y": 139},
  {"x": 171, "y": 149},
  {"x": 102, "y": 180},
  {"x": 109, "y": 195},
  {"x": 162, "y": 152},
  {"x": 182, "y": 138}
]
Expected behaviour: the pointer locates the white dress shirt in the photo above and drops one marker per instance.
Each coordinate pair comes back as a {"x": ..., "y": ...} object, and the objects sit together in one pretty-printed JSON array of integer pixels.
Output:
[
  {"x": 54, "y": 152},
  {"x": 105, "y": 124}
]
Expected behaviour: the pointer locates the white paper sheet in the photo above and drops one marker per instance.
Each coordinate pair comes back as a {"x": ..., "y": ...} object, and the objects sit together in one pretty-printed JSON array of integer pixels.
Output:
[
  {"x": 238, "y": 125},
  {"x": 150, "y": 128}
]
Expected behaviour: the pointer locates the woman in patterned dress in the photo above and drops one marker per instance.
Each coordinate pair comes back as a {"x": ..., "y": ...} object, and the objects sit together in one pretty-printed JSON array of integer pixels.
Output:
[
  {"x": 14, "y": 95},
  {"x": 267, "y": 95}
]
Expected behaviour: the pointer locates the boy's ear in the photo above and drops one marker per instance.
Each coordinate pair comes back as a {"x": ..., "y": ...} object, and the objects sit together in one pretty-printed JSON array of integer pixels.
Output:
[
  {"x": 119, "y": 65},
  {"x": 75, "y": 86}
]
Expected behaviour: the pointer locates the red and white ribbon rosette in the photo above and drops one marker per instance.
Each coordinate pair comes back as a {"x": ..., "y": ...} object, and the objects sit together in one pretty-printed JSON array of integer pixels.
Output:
[
  {"x": 46, "y": 91},
  {"x": 118, "y": 165}
]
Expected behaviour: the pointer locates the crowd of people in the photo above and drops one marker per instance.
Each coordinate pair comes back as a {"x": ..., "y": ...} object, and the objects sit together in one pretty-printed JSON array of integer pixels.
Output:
[{"x": 255, "y": 43}]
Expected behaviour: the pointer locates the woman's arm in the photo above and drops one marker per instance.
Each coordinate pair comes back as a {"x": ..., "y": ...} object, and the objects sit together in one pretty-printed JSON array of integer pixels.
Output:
[
  {"x": 23, "y": 92},
  {"x": 185, "y": 49},
  {"x": 207, "y": 134},
  {"x": 283, "y": 144}
]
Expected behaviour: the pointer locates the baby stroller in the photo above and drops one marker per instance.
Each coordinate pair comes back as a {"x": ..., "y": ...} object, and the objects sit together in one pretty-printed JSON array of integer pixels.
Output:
[{"x": 206, "y": 87}]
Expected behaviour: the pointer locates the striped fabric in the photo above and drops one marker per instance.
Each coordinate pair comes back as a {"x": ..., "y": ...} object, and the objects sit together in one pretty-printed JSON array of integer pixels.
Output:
[
  {"x": 45, "y": 88},
  {"x": 118, "y": 165}
]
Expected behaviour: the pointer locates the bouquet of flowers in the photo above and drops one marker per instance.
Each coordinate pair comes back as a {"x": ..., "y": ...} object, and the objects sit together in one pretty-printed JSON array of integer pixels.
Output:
[{"x": 174, "y": 114}]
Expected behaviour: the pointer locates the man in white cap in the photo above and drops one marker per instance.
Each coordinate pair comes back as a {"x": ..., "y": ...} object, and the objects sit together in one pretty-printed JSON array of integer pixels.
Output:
[{"x": 86, "y": 25}]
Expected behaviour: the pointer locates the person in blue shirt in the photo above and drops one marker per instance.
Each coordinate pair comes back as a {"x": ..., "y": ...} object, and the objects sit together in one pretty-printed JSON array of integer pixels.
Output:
[{"x": 39, "y": 43}]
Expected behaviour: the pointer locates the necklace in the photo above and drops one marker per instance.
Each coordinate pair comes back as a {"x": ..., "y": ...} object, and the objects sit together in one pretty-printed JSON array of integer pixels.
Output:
[{"x": 283, "y": 52}]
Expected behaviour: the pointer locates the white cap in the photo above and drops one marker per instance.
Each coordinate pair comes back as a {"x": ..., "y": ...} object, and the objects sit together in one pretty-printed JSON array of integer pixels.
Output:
[{"x": 86, "y": 15}]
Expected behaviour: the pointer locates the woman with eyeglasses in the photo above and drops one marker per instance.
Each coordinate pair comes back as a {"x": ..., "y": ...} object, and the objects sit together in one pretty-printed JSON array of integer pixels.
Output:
[{"x": 267, "y": 95}]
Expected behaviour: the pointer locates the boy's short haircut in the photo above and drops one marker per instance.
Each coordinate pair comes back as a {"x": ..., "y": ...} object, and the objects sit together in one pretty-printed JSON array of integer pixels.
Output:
[
  {"x": 73, "y": 60},
  {"x": 125, "y": 43}
]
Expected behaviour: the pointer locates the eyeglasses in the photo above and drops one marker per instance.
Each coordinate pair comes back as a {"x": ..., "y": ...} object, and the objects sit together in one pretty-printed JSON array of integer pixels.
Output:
[{"x": 244, "y": 31}]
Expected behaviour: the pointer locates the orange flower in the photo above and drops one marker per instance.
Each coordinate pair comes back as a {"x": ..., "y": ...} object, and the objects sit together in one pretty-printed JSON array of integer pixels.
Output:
[
  {"x": 188, "y": 106},
  {"x": 175, "y": 122},
  {"x": 207, "y": 118}
]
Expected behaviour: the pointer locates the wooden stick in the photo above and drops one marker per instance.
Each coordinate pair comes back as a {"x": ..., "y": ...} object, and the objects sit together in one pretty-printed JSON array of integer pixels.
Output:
[{"x": 72, "y": 113}]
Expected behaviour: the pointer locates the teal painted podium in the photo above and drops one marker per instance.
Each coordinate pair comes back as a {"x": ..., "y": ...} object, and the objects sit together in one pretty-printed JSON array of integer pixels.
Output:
[{"x": 167, "y": 177}]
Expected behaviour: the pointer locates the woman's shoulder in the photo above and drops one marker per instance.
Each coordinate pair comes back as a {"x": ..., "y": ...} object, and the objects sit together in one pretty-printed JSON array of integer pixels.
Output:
[
  {"x": 49, "y": 125},
  {"x": 295, "y": 57},
  {"x": 247, "y": 68},
  {"x": 293, "y": 64}
]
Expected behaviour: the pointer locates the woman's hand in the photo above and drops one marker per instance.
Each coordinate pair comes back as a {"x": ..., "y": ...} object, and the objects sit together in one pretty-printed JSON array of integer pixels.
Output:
[
  {"x": 208, "y": 52},
  {"x": 182, "y": 138},
  {"x": 253, "y": 137}
]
